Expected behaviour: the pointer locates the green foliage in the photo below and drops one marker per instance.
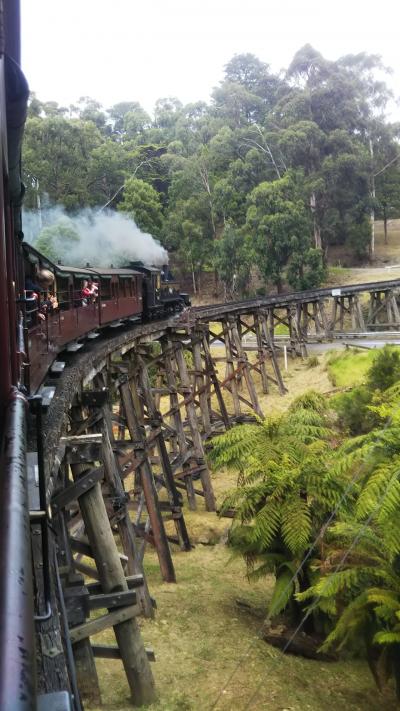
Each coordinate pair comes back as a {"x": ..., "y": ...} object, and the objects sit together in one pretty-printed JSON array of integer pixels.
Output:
[
  {"x": 385, "y": 370},
  {"x": 358, "y": 577},
  {"x": 352, "y": 408},
  {"x": 56, "y": 240},
  {"x": 341, "y": 573},
  {"x": 358, "y": 409},
  {"x": 143, "y": 204},
  {"x": 288, "y": 161},
  {"x": 233, "y": 260},
  {"x": 349, "y": 368},
  {"x": 280, "y": 228},
  {"x": 284, "y": 493}
]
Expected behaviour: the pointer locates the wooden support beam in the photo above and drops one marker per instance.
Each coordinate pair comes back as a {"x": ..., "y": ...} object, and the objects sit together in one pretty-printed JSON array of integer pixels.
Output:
[
  {"x": 175, "y": 413},
  {"x": 262, "y": 353},
  {"x": 169, "y": 482},
  {"x": 242, "y": 356},
  {"x": 106, "y": 651},
  {"x": 199, "y": 382},
  {"x": 230, "y": 368},
  {"x": 213, "y": 377},
  {"x": 272, "y": 354},
  {"x": 99, "y": 624},
  {"x": 112, "y": 578},
  {"x": 148, "y": 485},
  {"x": 196, "y": 437},
  {"x": 113, "y": 477},
  {"x": 359, "y": 314},
  {"x": 74, "y": 491}
]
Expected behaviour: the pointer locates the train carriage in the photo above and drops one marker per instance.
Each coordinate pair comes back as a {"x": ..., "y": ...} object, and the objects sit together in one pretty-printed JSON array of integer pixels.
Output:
[{"x": 61, "y": 308}]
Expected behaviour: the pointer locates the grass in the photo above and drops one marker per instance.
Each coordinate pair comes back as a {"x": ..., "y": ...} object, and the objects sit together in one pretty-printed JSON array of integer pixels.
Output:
[
  {"x": 203, "y": 639},
  {"x": 349, "y": 368},
  {"x": 207, "y": 647}
]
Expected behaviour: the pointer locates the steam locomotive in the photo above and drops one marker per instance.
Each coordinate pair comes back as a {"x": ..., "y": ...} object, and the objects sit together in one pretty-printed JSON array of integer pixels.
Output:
[{"x": 63, "y": 304}]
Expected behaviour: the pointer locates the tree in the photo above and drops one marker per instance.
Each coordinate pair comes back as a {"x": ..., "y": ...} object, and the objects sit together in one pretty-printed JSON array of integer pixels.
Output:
[
  {"x": 280, "y": 227},
  {"x": 233, "y": 260},
  {"x": 284, "y": 495},
  {"x": 143, "y": 204},
  {"x": 57, "y": 241},
  {"x": 359, "y": 570},
  {"x": 388, "y": 197},
  {"x": 56, "y": 160},
  {"x": 91, "y": 110}
]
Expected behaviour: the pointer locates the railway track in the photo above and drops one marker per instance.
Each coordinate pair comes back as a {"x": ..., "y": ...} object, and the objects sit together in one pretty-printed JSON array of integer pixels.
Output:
[{"x": 295, "y": 297}]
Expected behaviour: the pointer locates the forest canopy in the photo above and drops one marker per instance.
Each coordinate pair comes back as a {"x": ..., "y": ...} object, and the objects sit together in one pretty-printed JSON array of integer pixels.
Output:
[{"x": 273, "y": 172}]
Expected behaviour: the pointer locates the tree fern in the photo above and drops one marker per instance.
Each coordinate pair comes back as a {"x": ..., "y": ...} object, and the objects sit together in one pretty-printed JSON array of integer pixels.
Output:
[{"x": 285, "y": 492}]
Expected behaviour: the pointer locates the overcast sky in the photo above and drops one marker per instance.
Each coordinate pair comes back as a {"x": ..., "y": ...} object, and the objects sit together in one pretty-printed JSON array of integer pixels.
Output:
[{"x": 142, "y": 50}]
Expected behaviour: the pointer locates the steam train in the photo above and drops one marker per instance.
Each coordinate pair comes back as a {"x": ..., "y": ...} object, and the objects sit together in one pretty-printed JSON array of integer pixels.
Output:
[{"x": 60, "y": 310}]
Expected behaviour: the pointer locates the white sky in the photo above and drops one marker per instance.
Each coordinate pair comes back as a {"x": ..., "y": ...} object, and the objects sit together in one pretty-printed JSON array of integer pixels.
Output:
[{"x": 142, "y": 50}]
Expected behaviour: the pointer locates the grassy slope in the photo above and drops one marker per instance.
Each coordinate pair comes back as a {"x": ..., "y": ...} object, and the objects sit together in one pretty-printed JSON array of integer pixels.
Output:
[
  {"x": 349, "y": 368},
  {"x": 202, "y": 638}
]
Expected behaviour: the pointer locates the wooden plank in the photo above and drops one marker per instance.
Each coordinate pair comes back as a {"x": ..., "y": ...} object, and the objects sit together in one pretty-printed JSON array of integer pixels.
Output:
[
  {"x": 81, "y": 440},
  {"x": 81, "y": 485},
  {"x": 132, "y": 581},
  {"x": 106, "y": 651},
  {"x": 86, "y": 569},
  {"x": 112, "y": 600},
  {"x": 92, "y": 627}
]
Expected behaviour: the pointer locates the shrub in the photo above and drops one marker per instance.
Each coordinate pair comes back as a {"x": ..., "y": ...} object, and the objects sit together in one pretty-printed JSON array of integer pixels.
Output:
[
  {"x": 385, "y": 370},
  {"x": 352, "y": 409},
  {"x": 312, "y": 362}
]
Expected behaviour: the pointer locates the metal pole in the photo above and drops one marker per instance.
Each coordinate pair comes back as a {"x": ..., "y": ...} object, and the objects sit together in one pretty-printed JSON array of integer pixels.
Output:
[{"x": 17, "y": 646}]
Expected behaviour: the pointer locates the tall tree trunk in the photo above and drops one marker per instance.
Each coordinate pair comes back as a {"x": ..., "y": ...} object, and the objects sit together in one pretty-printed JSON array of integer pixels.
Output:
[
  {"x": 385, "y": 222},
  {"x": 317, "y": 230},
  {"x": 194, "y": 280},
  {"x": 372, "y": 243}
]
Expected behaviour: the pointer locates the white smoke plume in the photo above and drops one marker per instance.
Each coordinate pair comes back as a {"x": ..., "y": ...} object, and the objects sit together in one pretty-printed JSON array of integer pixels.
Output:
[{"x": 103, "y": 238}]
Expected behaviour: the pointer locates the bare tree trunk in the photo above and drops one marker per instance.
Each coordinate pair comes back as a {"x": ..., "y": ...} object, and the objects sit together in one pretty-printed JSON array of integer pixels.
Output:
[
  {"x": 317, "y": 230},
  {"x": 194, "y": 280},
  {"x": 372, "y": 243},
  {"x": 206, "y": 184},
  {"x": 385, "y": 226}
]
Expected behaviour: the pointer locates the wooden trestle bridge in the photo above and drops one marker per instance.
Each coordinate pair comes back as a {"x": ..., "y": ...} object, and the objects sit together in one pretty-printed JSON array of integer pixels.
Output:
[{"x": 124, "y": 437}]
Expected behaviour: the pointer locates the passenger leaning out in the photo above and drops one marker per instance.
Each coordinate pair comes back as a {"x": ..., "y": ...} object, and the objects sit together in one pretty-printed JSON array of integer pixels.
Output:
[{"x": 86, "y": 293}]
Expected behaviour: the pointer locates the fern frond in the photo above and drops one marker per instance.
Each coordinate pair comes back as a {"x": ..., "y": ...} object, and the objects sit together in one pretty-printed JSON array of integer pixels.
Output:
[
  {"x": 296, "y": 523},
  {"x": 283, "y": 591},
  {"x": 387, "y": 637}
]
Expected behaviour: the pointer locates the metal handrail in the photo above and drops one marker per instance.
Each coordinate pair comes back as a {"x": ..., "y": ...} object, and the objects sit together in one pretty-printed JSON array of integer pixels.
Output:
[{"x": 17, "y": 646}]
